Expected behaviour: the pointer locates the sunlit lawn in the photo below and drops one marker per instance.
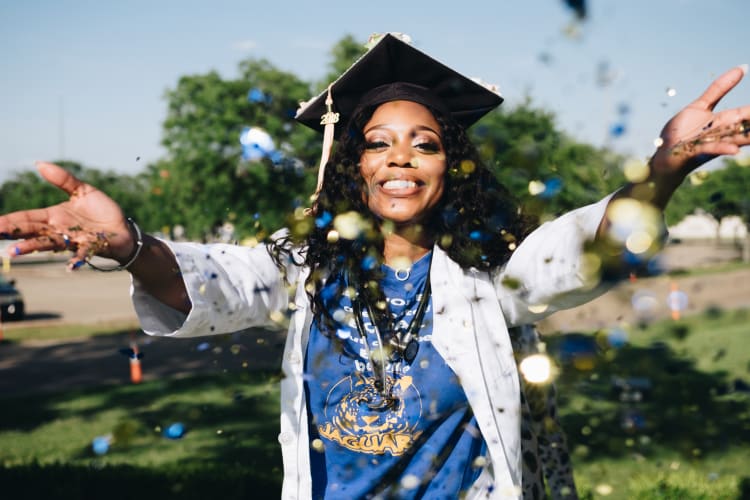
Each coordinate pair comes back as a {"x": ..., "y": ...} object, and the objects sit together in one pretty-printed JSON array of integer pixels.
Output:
[{"x": 683, "y": 419}]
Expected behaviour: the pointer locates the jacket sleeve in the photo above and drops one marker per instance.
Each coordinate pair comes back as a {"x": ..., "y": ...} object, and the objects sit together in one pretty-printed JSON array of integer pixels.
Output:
[
  {"x": 546, "y": 273},
  {"x": 230, "y": 288}
]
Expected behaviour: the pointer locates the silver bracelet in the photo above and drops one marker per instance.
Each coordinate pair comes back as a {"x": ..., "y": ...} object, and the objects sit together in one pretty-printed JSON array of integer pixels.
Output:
[{"x": 136, "y": 252}]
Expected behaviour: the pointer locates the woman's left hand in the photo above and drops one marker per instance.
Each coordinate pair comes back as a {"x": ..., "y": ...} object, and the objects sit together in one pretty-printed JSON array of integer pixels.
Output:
[
  {"x": 692, "y": 137},
  {"x": 697, "y": 134}
]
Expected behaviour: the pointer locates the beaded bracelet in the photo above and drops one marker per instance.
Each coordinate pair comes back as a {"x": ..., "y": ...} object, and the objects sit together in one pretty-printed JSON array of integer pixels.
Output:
[{"x": 136, "y": 252}]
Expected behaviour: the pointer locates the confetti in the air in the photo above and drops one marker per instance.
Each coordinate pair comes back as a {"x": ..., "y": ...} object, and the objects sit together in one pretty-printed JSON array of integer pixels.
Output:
[{"x": 256, "y": 143}]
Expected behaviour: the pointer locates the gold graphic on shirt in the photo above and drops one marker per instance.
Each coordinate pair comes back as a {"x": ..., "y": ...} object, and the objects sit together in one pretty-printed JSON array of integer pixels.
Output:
[{"x": 356, "y": 425}]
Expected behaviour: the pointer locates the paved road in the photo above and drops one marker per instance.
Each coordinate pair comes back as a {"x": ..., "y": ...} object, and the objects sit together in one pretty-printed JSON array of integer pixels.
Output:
[{"x": 56, "y": 296}]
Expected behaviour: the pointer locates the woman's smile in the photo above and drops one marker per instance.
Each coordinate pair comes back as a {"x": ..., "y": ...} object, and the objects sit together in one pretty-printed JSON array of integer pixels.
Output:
[{"x": 400, "y": 187}]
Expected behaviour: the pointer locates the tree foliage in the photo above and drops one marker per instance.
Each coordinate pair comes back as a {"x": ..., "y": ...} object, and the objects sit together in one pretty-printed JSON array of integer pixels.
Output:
[
  {"x": 720, "y": 193},
  {"x": 343, "y": 54},
  {"x": 204, "y": 182},
  {"x": 549, "y": 172}
]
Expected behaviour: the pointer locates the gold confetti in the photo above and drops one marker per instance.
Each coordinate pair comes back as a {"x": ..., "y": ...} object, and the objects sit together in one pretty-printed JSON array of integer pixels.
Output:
[
  {"x": 317, "y": 445},
  {"x": 538, "y": 308},
  {"x": 409, "y": 482},
  {"x": 636, "y": 170},
  {"x": 349, "y": 225},
  {"x": 604, "y": 489},
  {"x": 536, "y": 187}
]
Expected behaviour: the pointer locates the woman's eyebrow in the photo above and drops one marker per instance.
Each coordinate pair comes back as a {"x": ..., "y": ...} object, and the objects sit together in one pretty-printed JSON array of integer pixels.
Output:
[{"x": 417, "y": 128}]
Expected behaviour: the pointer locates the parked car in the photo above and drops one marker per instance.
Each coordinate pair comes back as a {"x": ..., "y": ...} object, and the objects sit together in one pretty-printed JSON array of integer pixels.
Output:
[{"x": 11, "y": 301}]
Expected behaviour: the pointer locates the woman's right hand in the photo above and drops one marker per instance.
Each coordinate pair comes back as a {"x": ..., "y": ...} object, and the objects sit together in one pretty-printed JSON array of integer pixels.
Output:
[{"x": 89, "y": 223}]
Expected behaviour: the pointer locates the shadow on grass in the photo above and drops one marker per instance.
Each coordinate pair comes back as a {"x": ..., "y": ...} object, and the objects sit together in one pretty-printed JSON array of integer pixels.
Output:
[
  {"x": 230, "y": 449},
  {"x": 127, "y": 483},
  {"x": 639, "y": 399}
]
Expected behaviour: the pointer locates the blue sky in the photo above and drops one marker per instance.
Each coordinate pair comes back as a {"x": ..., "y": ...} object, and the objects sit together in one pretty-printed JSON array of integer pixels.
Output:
[{"x": 85, "y": 80}]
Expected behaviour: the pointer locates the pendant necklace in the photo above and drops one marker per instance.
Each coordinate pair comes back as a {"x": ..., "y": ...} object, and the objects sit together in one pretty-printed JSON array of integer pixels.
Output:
[{"x": 405, "y": 342}]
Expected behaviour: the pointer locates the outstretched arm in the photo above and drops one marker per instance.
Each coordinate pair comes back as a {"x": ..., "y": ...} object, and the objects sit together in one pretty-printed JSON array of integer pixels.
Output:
[
  {"x": 544, "y": 276},
  {"x": 90, "y": 223}
]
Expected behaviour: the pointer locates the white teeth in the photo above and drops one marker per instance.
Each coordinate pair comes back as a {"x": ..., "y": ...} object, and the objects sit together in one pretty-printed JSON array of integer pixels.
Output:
[{"x": 399, "y": 184}]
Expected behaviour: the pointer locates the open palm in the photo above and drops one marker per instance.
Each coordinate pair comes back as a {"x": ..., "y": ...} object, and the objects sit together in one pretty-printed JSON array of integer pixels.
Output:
[
  {"x": 89, "y": 223},
  {"x": 697, "y": 134}
]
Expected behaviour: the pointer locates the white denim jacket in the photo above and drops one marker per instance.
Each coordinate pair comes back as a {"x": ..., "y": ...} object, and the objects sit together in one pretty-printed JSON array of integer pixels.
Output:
[{"x": 232, "y": 288}]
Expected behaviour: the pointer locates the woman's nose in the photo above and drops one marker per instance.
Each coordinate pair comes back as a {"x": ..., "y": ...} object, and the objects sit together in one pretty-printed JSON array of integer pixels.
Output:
[{"x": 400, "y": 155}]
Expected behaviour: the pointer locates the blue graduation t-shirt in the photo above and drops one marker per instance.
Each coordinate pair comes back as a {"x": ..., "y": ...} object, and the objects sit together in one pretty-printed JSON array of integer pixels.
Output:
[{"x": 425, "y": 445}]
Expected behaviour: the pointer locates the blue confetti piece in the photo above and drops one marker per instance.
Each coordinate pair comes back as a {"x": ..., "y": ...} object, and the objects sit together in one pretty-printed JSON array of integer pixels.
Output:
[
  {"x": 324, "y": 219},
  {"x": 203, "y": 346},
  {"x": 617, "y": 337},
  {"x": 617, "y": 130},
  {"x": 369, "y": 262},
  {"x": 100, "y": 445},
  {"x": 258, "y": 96},
  {"x": 552, "y": 187},
  {"x": 276, "y": 156},
  {"x": 632, "y": 259},
  {"x": 256, "y": 143},
  {"x": 174, "y": 431}
]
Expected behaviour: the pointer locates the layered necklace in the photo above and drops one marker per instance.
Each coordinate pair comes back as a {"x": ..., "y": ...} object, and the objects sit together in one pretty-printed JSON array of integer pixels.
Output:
[{"x": 402, "y": 343}]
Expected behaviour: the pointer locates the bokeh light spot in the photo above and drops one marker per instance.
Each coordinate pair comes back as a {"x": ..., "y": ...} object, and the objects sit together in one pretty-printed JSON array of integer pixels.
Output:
[{"x": 536, "y": 368}]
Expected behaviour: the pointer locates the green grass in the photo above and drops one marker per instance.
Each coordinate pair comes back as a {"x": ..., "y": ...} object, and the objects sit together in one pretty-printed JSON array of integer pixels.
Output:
[
  {"x": 717, "y": 340},
  {"x": 693, "y": 441},
  {"x": 668, "y": 476},
  {"x": 685, "y": 436},
  {"x": 224, "y": 416},
  {"x": 724, "y": 267},
  {"x": 231, "y": 422},
  {"x": 65, "y": 332}
]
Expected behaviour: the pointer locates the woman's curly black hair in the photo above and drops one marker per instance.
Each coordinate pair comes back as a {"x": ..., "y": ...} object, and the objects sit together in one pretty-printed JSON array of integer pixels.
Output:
[{"x": 477, "y": 222}]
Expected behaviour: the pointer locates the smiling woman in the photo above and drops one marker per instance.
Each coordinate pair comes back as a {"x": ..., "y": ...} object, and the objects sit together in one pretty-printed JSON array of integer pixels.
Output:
[{"x": 401, "y": 284}]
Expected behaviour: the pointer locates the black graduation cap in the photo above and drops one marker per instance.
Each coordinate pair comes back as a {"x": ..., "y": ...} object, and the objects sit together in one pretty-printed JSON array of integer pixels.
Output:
[{"x": 390, "y": 61}]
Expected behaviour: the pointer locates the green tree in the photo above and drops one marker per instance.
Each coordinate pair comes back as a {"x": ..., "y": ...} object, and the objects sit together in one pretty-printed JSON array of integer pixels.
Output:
[
  {"x": 547, "y": 170},
  {"x": 203, "y": 181},
  {"x": 720, "y": 193},
  {"x": 26, "y": 190},
  {"x": 343, "y": 54}
]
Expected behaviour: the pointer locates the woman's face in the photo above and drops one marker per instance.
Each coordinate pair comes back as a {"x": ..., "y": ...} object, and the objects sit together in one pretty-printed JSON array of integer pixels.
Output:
[{"x": 403, "y": 164}]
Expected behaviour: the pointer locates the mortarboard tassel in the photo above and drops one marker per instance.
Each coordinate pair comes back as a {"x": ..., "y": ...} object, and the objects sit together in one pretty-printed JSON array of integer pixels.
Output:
[{"x": 329, "y": 119}]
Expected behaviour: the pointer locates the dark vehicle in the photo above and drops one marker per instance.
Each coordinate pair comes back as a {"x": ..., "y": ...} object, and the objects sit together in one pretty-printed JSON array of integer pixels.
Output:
[{"x": 11, "y": 301}]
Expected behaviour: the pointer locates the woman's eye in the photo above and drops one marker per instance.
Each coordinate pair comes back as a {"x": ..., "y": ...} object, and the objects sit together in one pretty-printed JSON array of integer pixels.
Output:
[
  {"x": 375, "y": 145},
  {"x": 429, "y": 147}
]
